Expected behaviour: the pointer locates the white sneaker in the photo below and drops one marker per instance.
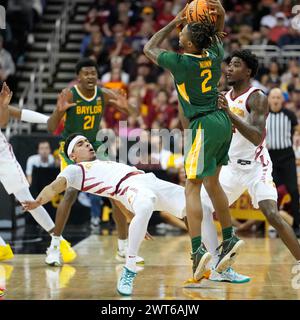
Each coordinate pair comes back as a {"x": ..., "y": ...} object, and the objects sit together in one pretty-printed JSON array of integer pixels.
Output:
[
  {"x": 53, "y": 257},
  {"x": 228, "y": 275},
  {"x": 121, "y": 257}
]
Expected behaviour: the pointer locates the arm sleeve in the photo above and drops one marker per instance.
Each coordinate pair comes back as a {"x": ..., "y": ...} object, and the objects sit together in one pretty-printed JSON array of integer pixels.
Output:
[
  {"x": 73, "y": 175},
  {"x": 33, "y": 117},
  {"x": 170, "y": 60}
]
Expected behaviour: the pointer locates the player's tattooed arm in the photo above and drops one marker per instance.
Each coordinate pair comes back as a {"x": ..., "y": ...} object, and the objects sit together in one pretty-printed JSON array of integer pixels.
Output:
[
  {"x": 255, "y": 130},
  {"x": 56, "y": 187},
  {"x": 64, "y": 102},
  {"x": 151, "y": 48}
]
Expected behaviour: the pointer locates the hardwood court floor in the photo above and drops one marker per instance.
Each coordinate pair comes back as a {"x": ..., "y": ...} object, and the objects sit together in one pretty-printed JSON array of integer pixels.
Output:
[{"x": 94, "y": 273}]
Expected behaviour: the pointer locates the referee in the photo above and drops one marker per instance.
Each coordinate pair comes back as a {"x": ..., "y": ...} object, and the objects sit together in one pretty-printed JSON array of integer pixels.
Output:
[{"x": 282, "y": 123}]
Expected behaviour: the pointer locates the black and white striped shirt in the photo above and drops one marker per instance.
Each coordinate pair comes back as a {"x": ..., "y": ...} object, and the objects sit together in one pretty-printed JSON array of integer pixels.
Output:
[{"x": 280, "y": 129}]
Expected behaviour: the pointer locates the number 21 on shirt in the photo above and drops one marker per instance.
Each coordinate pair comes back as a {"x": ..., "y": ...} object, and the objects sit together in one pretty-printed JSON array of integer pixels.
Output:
[{"x": 89, "y": 122}]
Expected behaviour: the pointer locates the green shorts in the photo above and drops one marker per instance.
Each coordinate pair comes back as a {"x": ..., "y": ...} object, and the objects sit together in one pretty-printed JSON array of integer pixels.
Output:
[
  {"x": 65, "y": 161},
  {"x": 207, "y": 144}
]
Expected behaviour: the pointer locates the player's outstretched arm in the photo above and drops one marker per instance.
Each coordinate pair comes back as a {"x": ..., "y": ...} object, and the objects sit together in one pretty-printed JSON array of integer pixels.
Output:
[
  {"x": 151, "y": 48},
  {"x": 27, "y": 115},
  {"x": 5, "y": 97},
  {"x": 215, "y": 7},
  {"x": 64, "y": 102},
  {"x": 49, "y": 192},
  {"x": 255, "y": 130},
  {"x": 119, "y": 101}
]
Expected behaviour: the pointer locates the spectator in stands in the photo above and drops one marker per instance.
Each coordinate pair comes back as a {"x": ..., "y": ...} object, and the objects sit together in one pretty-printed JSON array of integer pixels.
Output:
[
  {"x": 280, "y": 29},
  {"x": 262, "y": 37},
  {"x": 144, "y": 29},
  {"x": 7, "y": 67},
  {"x": 234, "y": 45},
  {"x": 274, "y": 72},
  {"x": 120, "y": 44},
  {"x": 281, "y": 151},
  {"x": 290, "y": 38},
  {"x": 166, "y": 114},
  {"x": 100, "y": 13},
  {"x": 235, "y": 19},
  {"x": 44, "y": 159},
  {"x": 116, "y": 64},
  {"x": 292, "y": 72},
  {"x": 287, "y": 6},
  {"x": 294, "y": 99},
  {"x": 147, "y": 17},
  {"x": 245, "y": 35},
  {"x": 91, "y": 19},
  {"x": 270, "y": 19},
  {"x": 164, "y": 81},
  {"x": 123, "y": 14},
  {"x": 166, "y": 15},
  {"x": 94, "y": 29}
]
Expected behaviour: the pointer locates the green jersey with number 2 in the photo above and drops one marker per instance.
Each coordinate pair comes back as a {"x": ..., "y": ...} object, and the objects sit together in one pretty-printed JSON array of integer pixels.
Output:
[{"x": 196, "y": 78}]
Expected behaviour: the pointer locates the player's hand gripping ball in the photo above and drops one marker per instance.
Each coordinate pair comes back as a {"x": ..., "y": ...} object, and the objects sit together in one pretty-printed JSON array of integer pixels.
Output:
[{"x": 197, "y": 9}]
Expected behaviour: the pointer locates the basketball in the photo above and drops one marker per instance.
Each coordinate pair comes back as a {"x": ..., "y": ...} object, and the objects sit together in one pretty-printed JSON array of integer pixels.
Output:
[{"x": 196, "y": 9}]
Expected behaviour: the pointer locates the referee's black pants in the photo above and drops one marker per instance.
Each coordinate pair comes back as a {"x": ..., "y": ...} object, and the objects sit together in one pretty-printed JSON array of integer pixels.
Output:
[{"x": 285, "y": 172}]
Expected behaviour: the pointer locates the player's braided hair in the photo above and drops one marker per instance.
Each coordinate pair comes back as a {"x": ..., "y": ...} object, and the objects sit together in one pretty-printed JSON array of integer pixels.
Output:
[
  {"x": 204, "y": 33},
  {"x": 249, "y": 58}
]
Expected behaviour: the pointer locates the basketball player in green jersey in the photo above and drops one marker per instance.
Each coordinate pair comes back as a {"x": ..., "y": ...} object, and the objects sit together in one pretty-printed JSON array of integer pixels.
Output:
[
  {"x": 83, "y": 106},
  {"x": 196, "y": 73}
]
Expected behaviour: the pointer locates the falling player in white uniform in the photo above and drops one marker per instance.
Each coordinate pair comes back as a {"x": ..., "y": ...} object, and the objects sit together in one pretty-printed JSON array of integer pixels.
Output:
[
  {"x": 12, "y": 176},
  {"x": 250, "y": 166},
  {"x": 141, "y": 193}
]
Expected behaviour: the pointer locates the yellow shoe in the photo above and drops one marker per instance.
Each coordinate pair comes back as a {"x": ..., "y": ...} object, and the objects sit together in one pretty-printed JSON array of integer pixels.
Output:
[
  {"x": 67, "y": 252},
  {"x": 6, "y": 253},
  {"x": 66, "y": 274},
  {"x": 2, "y": 292},
  {"x": 5, "y": 271}
]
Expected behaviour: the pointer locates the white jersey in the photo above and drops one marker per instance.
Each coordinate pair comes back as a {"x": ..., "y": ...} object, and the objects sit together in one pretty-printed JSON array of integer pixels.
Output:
[
  {"x": 125, "y": 183},
  {"x": 241, "y": 148},
  {"x": 103, "y": 178},
  {"x": 11, "y": 174}
]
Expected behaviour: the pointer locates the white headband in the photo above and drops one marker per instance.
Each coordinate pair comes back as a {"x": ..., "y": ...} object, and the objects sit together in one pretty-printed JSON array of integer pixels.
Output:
[{"x": 73, "y": 142}]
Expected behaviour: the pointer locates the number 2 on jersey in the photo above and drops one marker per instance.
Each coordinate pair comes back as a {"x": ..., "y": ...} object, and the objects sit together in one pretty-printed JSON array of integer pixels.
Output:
[
  {"x": 208, "y": 74},
  {"x": 89, "y": 122}
]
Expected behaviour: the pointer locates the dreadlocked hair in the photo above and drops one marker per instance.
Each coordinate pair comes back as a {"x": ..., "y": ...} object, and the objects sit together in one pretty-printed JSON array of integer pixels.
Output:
[{"x": 204, "y": 33}]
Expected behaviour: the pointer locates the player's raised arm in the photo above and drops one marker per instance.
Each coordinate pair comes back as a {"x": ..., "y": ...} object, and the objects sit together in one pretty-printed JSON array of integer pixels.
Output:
[
  {"x": 215, "y": 7},
  {"x": 255, "y": 130},
  {"x": 151, "y": 49},
  {"x": 49, "y": 192},
  {"x": 5, "y": 97},
  {"x": 119, "y": 100},
  {"x": 64, "y": 102}
]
